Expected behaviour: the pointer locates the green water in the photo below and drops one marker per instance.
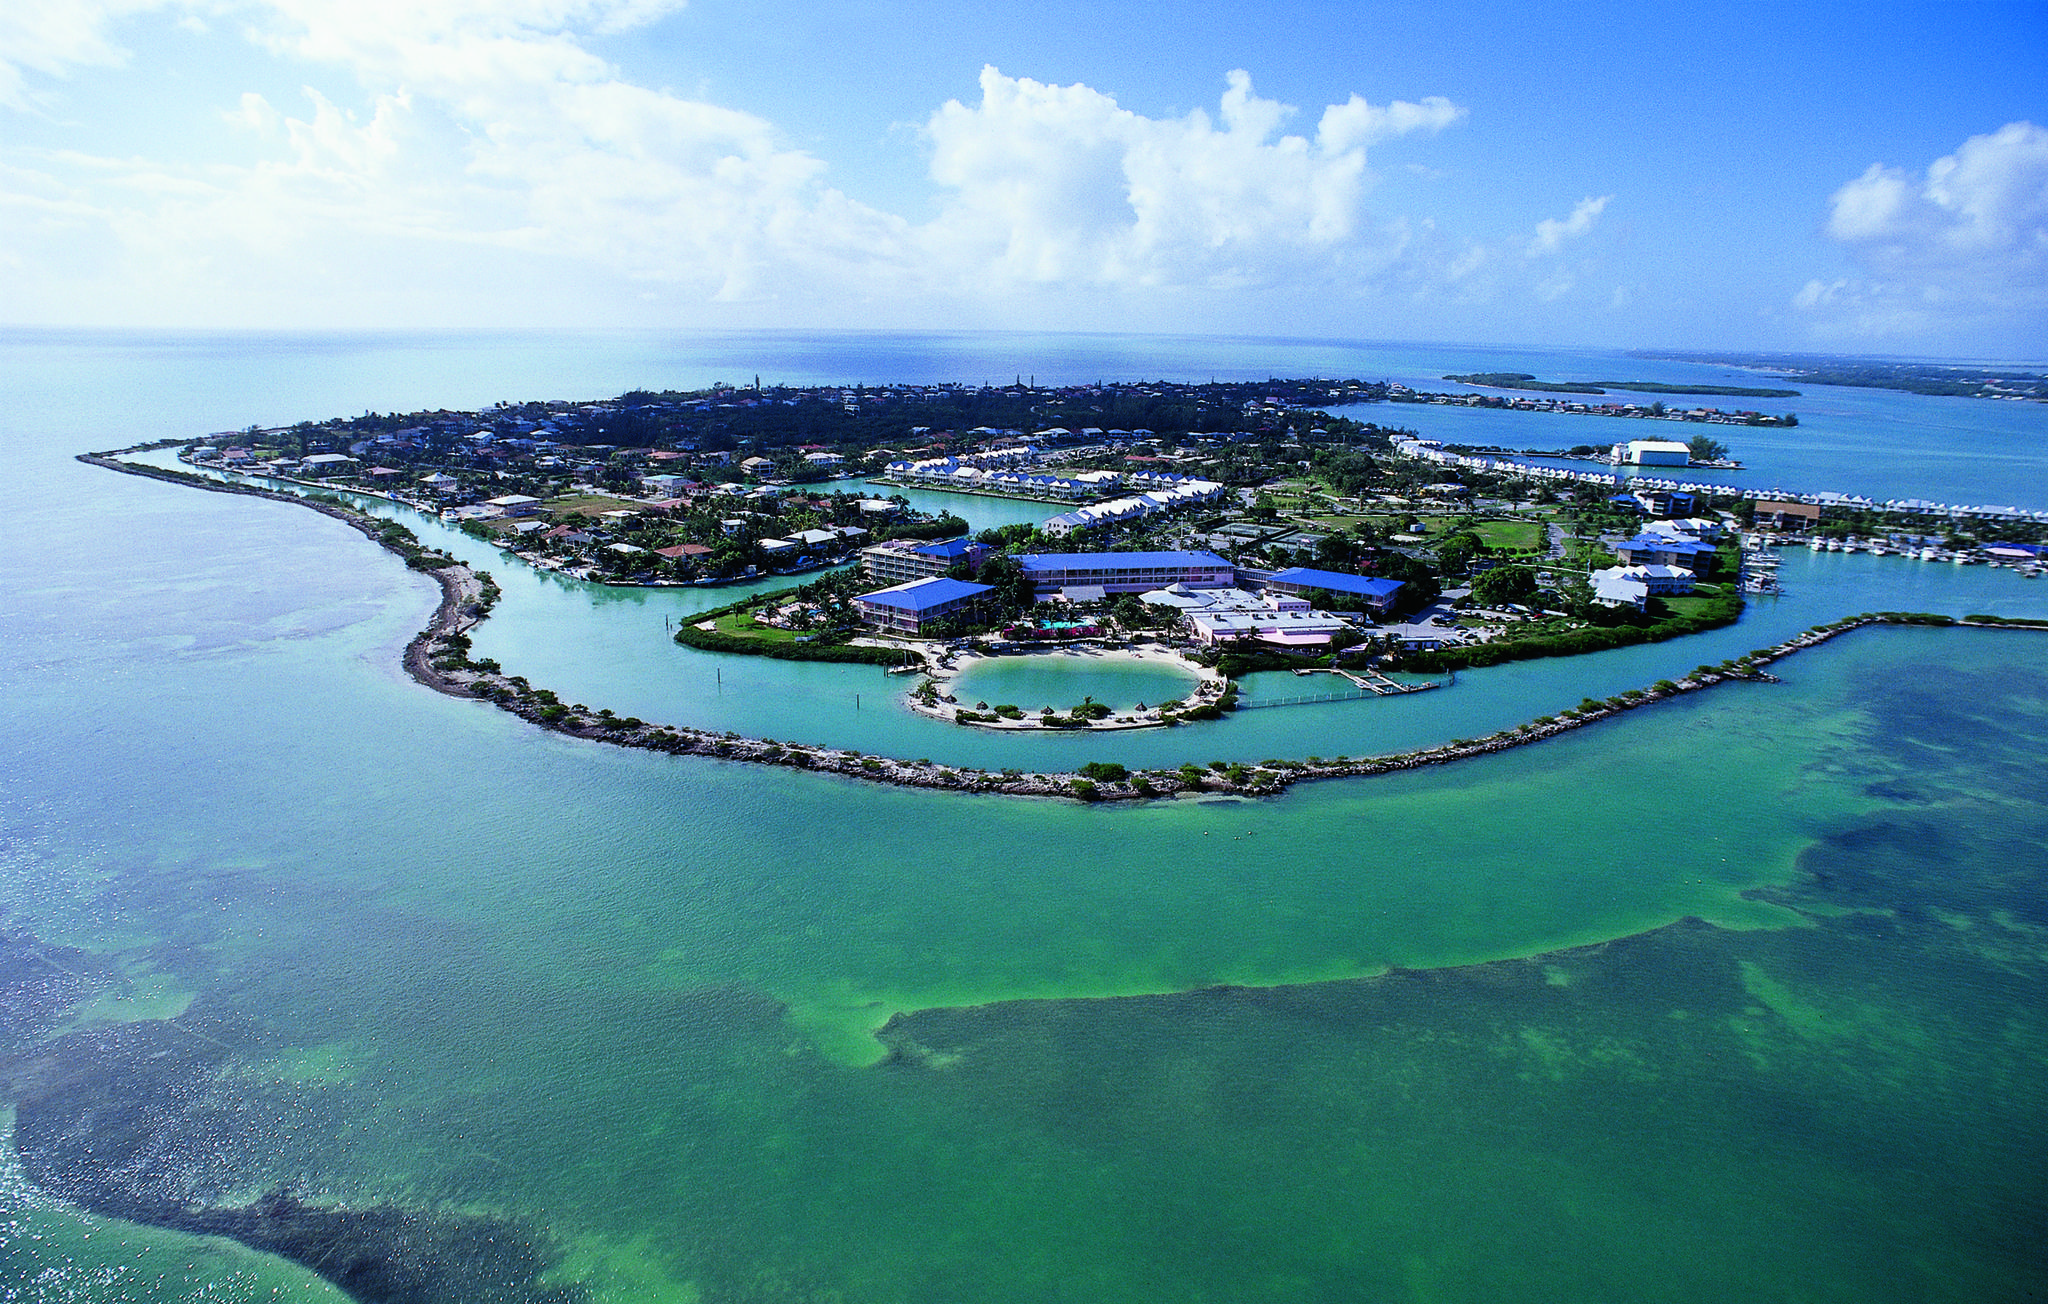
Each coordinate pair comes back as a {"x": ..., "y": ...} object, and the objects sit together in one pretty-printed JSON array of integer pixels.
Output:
[
  {"x": 1739, "y": 997},
  {"x": 1033, "y": 680}
]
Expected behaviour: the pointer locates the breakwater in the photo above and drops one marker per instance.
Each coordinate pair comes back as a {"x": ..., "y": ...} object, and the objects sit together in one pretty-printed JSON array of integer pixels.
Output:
[{"x": 438, "y": 658}]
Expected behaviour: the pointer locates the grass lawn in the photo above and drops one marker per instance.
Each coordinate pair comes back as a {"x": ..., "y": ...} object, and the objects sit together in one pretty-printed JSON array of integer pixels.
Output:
[
  {"x": 1510, "y": 536},
  {"x": 1687, "y": 604},
  {"x": 589, "y": 504},
  {"x": 742, "y": 624}
]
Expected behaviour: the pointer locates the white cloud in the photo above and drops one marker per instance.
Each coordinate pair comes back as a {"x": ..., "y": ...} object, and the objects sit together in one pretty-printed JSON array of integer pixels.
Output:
[
  {"x": 51, "y": 37},
  {"x": 466, "y": 146},
  {"x": 1964, "y": 245},
  {"x": 1062, "y": 184},
  {"x": 1551, "y": 233}
]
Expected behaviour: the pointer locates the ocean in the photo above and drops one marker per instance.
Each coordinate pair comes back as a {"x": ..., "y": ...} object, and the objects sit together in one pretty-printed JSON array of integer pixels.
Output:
[{"x": 1737, "y": 996}]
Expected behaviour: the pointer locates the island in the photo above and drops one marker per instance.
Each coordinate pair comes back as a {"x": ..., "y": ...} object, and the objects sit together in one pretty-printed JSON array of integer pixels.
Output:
[
  {"x": 1947, "y": 379},
  {"x": 1250, "y": 529},
  {"x": 1527, "y": 380}
]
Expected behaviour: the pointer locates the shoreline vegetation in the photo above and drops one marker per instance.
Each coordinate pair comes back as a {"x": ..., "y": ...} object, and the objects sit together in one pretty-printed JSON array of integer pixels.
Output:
[
  {"x": 1525, "y": 380},
  {"x": 438, "y": 658},
  {"x": 1938, "y": 379}
]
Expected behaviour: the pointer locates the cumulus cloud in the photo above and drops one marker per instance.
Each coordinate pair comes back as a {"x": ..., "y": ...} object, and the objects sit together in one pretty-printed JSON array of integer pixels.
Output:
[
  {"x": 1063, "y": 184},
  {"x": 449, "y": 149},
  {"x": 1551, "y": 233},
  {"x": 1964, "y": 243}
]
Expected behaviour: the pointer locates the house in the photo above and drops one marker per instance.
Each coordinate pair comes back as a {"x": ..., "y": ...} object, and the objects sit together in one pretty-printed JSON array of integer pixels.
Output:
[
  {"x": 440, "y": 483},
  {"x": 910, "y": 608},
  {"x": 514, "y": 505},
  {"x": 757, "y": 466},
  {"x": 684, "y": 552},
  {"x": 326, "y": 463}
]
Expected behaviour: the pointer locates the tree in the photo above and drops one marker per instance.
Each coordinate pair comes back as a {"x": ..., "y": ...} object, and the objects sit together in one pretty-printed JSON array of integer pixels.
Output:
[
  {"x": 1013, "y": 588},
  {"x": 1504, "y": 584},
  {"x": 1456, "y": 551},
  {"x": 1335, "y": 550},
  {"x": 1706, "y": 448}
]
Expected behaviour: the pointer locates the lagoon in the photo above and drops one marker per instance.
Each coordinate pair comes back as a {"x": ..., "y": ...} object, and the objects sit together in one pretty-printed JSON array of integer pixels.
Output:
[{"x": 1033, "y": 680}]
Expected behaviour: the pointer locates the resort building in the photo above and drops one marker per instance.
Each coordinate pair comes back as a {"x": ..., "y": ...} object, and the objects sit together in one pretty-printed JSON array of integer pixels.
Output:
[
  {"x": 1152, "y": 502},
  {"x": 1280, "y": 629},
  {"x": 1378, "y": 594},
  {"x": 1697, "y": 527},
  {"x": 909, "y": 608},
  {"x": 898, "y": 560},
  {"x": 1648, "y": 549},
  {"x": 1089, "y": 576},
  {"x": 1655, "y": 501},
  {"x": 1214, "y": 616},
  {"x": 1780, "y": 514},
  {"x": 1634, "y": 586}
]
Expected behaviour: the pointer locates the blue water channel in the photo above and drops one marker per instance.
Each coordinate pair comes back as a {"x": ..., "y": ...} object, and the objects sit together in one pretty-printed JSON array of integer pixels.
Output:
[{"x": 605, "y": 646}]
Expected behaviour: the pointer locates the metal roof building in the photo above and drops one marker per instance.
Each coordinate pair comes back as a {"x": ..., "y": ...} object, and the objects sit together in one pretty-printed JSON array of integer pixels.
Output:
[
  {"x": 907, "y": 608},
  {"x": 1124, "y": 572},
  {"x": 1379, "y": 594}
]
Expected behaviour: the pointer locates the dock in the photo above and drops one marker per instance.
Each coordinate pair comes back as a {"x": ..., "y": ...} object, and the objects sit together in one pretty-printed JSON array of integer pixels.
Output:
[{"x": 1365, "y": 684}]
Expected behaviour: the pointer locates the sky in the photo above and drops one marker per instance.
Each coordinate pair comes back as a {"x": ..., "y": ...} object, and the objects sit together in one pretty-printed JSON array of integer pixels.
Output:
[{"x": 1867, "y": 178}]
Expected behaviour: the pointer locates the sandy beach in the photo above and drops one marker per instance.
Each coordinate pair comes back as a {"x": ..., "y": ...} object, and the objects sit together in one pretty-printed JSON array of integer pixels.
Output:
[{"x": 1209, "y": 684}]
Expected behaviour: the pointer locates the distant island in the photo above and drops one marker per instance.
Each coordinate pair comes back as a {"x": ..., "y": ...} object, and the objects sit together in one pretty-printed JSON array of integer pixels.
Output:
[
  {"x": 1956, "y": 380},
  {"x": 1523, "y": 380}
]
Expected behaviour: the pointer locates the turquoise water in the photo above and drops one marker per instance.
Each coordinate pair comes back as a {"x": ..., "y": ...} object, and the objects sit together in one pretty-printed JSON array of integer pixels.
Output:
[
  {"x": 1034, "y": 680},
  {"x": 1882, "y": 444},
  {"x": 1737, "y": 997}
]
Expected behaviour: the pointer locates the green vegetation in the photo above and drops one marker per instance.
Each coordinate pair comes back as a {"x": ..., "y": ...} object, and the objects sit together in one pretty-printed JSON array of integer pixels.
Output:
[
  {"x": 734, "y": 631},
  {"x": 1706, "y": 448},
  {"x": 1714, "y": 611},
  {"x": 1955, "y": 379},
  {"x": 1524, "y": 380}
]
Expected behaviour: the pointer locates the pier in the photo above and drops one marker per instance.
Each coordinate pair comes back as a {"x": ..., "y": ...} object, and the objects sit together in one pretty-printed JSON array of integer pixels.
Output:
[{"x": 1365, "y": 683}]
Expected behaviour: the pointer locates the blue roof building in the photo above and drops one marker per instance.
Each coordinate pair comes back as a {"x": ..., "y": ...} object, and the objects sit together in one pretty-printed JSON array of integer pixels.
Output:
[
  {"x": 1378, "y": 594},
  {"x": 1088, "y": 575},
  {"x": 1665, "y": 550},
  {"x": 908, "y": 608}
]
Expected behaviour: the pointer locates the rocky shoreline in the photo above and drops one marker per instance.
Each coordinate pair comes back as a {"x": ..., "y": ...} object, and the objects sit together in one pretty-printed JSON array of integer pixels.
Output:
[{"x": 438, "y": 658}]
